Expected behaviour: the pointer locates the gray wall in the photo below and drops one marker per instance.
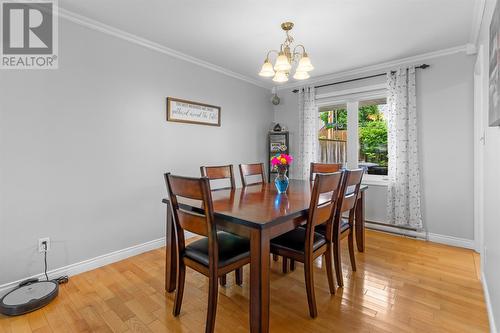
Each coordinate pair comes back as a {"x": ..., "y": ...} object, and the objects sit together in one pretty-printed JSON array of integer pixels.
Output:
[
  {"x": 445, "y": 120},
  {"x": 491, "y": 192},
  {"x": 83, "y": 148}
]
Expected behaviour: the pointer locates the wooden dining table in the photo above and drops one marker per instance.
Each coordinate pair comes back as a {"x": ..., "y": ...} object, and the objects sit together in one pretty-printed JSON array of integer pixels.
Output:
[{"x": 259, "y": 213}]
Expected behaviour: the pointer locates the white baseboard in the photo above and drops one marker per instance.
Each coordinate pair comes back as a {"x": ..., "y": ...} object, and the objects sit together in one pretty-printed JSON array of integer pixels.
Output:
[
  {"x": 93, "y": 263},
  {"x": 450, "y": 240},
  {"x": 489, "y": 308},
  {"x": 96, "y": 262},
  {"x": 436, "y": 238}
]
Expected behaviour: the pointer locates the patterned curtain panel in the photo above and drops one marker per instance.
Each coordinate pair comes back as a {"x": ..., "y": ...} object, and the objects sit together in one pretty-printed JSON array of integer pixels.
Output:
[
  {"x": 403, "y": 195},
  {"x": 308, "y": 132}
]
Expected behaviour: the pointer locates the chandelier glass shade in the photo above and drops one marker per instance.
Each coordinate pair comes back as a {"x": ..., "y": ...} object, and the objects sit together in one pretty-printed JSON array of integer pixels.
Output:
[
  {"x": 280, "y": 77},
  {"x": 282, "y": 63},
  {"x": 267, "y": 69},
  {"x": 286, "y": 59},
  {"x": 301, "y": 75}
]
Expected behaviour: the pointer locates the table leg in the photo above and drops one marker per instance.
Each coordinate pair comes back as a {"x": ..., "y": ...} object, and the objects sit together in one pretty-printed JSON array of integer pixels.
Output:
[
  {"x": 259, "y": 281},
  {"x": 171, "y": 252},
  {"x": 360, "y": 222}
]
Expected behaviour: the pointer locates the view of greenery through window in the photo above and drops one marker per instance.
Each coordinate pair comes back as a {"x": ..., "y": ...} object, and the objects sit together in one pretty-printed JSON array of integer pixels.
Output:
[{"x": 372, "y": 129}]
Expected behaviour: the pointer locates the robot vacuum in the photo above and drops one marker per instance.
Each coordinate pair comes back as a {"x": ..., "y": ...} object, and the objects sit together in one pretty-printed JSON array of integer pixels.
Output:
[{"x": 29, "y": 296}]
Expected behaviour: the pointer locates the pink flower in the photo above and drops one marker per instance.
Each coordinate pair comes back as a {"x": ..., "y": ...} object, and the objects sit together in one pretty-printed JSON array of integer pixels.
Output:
[
  {"x": 275, "y": 161},
  {"x": 281, "y": 160}
]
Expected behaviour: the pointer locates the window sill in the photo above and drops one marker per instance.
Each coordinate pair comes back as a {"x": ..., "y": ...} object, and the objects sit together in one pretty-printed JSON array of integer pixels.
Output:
[{"x": 375, "y": 180}]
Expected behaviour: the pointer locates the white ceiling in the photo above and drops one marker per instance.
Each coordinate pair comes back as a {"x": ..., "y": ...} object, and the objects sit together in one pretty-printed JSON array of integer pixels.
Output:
[{"x": 339, "y": 34}]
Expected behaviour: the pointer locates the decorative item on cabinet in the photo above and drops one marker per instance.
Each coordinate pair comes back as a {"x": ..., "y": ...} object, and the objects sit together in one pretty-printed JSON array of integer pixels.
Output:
[{"x": 276, "y": 140}]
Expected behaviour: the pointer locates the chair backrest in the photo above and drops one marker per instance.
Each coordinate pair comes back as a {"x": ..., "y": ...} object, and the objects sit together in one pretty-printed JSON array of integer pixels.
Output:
[
  {"x": 350, "y": 189},
  {"x": 247, "y": 170},
  {"x": 317, "y": 168},
  {"x": 324, "y": 196},
  {"x": 219, "y": 173},
  {"x": 348, "y": 196},
  {"x": 200, "y": 222}
]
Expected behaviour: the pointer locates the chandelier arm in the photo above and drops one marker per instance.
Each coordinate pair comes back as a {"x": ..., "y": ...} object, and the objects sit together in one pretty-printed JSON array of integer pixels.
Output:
[
  {"x": 303, "y": 50},
  {"x": 289, "y": 38},
  {"x": 269, "y": 53}
]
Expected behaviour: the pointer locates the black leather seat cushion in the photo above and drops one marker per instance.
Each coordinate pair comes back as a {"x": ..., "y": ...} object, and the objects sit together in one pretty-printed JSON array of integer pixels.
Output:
[
  {"x": 294, "y": 240},
  {"x": 344, "y": 225},
  {"x": 231, "y": 249}
]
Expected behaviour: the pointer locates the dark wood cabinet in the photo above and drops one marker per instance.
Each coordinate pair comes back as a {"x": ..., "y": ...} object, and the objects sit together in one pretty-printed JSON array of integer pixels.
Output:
[{"x": 274, "y": 141}]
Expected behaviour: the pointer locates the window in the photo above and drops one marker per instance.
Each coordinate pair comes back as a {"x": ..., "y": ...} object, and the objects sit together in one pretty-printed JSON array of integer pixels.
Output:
[
  {"x": 333, "y": 134},
  {"x": 353, "y": 131},
  {"x": 372, "y": 132}
]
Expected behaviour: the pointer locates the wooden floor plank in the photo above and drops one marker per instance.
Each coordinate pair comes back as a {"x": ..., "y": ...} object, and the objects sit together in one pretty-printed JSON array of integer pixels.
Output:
[{"x": 401, "y": 285}]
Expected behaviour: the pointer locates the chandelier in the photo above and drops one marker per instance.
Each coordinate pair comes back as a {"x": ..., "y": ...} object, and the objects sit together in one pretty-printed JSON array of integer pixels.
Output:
[{"x": 286, "y": 58}]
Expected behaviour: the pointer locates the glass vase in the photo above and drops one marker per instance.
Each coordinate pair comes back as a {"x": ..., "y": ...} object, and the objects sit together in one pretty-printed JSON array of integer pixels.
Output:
[{"x": 281, "y": 182}]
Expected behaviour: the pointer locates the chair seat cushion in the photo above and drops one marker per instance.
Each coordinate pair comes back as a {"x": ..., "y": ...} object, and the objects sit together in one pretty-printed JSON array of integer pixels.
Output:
[
  {"x": 231, "y": 249},
  {"x": 294, "y": 240},
  {"x": 344, "y": 225}
]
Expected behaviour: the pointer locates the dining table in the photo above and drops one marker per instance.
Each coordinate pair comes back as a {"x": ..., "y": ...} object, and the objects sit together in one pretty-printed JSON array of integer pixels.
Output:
[{"x": 259, "y": 213}]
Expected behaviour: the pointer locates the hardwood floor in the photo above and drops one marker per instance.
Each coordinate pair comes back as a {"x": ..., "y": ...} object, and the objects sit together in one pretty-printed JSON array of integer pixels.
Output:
[{"x": 402, "y": 285}]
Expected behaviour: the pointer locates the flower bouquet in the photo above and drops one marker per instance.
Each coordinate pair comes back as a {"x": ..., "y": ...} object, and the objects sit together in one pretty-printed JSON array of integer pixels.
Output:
[{"x": 280, "y": 163}]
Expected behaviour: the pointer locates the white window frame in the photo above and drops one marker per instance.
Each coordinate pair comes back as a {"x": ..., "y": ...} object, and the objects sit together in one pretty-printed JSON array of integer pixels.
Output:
[{"x": 352, "y": 97}]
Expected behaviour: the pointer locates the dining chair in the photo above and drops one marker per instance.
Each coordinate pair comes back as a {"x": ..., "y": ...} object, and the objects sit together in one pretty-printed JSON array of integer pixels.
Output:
[
  {"x": 304, "y": 244},
  {"x": 214, "y": 173},
  {"x": 219, "y": 173},
  {"x": 247, "y": 170},
  {"x": 347, "y": 201},
  {"x": 317, "y": 168},
  {"x": 217, "y": 254}
]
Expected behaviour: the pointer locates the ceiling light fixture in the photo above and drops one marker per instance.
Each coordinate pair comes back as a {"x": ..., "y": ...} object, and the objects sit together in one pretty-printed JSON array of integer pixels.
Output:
[{"x": 285, "y": 60}]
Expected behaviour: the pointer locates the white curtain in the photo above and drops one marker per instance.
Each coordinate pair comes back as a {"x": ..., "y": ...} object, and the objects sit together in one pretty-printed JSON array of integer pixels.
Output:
[
  {"x": 308, "y": 132},
  {"x": 403, "y": 206}
]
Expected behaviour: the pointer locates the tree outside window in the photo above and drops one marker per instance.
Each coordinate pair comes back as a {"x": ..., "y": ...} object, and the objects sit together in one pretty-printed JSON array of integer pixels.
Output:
[{"x": 372, "y": 130}]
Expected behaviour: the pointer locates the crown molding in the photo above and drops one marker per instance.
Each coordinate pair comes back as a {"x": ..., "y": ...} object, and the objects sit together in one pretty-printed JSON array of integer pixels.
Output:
[
  {"x": 377, "y": 67},
  {"x": 477, "y": 19},
  {"x": 107, "y": 29}
]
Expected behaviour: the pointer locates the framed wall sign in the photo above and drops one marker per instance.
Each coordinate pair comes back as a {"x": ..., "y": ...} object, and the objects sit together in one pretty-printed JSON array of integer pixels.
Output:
[{"x": 182, "y": 111}]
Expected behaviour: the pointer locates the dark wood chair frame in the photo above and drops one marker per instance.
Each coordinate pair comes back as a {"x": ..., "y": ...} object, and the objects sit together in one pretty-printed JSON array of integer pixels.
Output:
[
  {"x": 315, "y": 169},
  {"x": 346, "y": 203},
  {"x": 251, "y": 170},
  {"x": 219, "y": 172},
  {"x": 201, "y": 224},
  {"x": 325, "y": 184},
  {"x": 223, "y": 172},
  {"x": 318, "y": 168}
]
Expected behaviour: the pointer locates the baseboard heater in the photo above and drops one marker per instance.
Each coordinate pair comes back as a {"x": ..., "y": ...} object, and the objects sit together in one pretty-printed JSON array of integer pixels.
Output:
[{"x": 395, "y": 229}]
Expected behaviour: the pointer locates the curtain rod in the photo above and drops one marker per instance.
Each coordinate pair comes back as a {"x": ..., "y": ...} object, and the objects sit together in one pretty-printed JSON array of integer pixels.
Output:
[{"x": 423, "y": 66}]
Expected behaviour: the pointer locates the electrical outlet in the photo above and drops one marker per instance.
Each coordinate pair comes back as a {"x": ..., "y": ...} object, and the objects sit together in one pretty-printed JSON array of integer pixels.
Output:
[{"x": 41, "y": 247}]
